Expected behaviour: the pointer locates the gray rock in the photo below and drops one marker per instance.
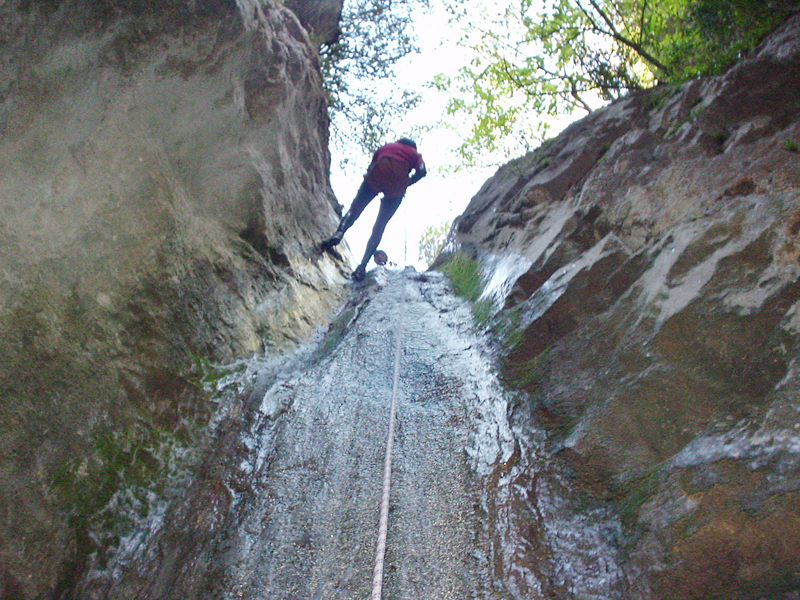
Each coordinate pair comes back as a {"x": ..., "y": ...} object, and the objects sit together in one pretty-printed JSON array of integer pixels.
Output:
[
  {"x": 165, "y": 179},
  {"x": 642, "y": 267}
]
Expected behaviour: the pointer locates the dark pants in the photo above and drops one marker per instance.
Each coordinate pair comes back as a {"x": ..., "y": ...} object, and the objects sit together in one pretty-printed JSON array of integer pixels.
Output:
[{"x": 389, "y": 206}]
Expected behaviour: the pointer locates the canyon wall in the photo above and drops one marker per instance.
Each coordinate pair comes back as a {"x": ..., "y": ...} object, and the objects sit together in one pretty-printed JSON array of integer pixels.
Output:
[
  {"x": 165, "y": 182},
  {"x": 641, "y": 271},
  {"x": 165, "y": 179}
]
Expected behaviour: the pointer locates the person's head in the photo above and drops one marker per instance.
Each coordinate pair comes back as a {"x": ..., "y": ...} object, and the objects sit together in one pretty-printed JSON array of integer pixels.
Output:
[{"x": 407, "y": 142}]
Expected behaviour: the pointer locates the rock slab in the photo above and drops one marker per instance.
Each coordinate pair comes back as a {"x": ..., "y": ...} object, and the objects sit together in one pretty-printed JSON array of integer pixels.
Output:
[
  {"x": 641, "y": 269},
  {"x": 165, "y": 178}
]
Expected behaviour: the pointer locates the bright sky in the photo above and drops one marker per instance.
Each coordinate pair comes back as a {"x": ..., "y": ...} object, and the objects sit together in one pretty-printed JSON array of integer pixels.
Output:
[{"x": 441, "y": 196}]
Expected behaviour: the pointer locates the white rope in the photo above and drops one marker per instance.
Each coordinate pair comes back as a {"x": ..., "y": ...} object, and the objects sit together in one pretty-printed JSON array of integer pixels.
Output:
[
  {"x": 405, "y": 234},
  {"x": 377, "y": 578}
]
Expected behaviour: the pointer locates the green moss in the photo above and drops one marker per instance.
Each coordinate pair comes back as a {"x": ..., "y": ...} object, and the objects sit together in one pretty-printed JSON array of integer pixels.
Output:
[
  {"x": 523, "y": 376},
  {"x": 132, "y": 464},
  {"x": 336, "y": 332},
  {"x": 205, "y": 375},
  {"x": 482, "y": 312},
  {"x": 511, "y": 330},
  {"x": 789, "y": 145},
  {"x": 464, "y": 274},
  {"x": 639, "y": 492}
]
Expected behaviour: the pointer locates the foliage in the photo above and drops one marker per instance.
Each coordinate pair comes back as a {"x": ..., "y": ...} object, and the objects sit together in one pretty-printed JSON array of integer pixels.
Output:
[
  {"x": 707, "y": 36},
  {"x": 432, "y": 241},
  {"x": 464, "y": 274},
  {"x": 552, "y": 57},
  {"x": 358, "y": 70}
]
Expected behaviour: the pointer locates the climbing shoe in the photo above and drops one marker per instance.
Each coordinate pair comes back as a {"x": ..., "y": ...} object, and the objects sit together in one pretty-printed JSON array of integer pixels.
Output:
[
  {"x": 359, "y": 273},
  {"x": 327, "y": 245}
]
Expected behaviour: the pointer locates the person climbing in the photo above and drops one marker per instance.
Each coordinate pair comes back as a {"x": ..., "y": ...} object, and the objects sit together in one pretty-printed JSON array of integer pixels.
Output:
[{"x": 389, "y": 174}]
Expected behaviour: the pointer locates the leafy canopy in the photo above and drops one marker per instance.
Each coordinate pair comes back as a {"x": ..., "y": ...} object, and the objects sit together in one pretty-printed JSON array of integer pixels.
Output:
[
  {"x": 364, "y": 98},
  {"x": 537, "y": 58}
]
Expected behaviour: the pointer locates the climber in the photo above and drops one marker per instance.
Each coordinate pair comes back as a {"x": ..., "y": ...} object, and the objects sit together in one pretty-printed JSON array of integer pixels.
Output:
[{"x": 388, "y": 173}]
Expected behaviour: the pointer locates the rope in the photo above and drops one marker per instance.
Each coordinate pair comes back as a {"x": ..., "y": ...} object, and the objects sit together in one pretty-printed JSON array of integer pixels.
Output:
[
  {"x": 405, "y": 233},
  {"x": 377, "y": 578}
]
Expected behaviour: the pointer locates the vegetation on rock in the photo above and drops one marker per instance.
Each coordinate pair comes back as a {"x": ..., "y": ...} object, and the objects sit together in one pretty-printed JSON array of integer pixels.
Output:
[
  {"x": 464, "y": 273},
  {"x": 550, "y": 58},
  {"x": 432, "y": 241}
]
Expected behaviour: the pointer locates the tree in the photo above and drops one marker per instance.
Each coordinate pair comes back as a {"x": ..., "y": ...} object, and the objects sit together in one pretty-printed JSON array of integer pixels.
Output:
[
  {"x": 717, "y": 33},
  {"x": 358, "y": 70},
  {"x": 538, "y": 58},
  {"x": 432, "y": 241}
]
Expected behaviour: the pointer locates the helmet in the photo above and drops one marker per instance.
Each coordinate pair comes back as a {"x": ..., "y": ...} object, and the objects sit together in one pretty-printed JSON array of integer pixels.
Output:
[{"x": 408, "y": 142}]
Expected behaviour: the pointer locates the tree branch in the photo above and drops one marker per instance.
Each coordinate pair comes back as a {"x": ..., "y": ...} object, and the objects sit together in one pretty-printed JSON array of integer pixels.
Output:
[
  {"x": 641, "y": 21},
  {"x": 638, "y": 48}
]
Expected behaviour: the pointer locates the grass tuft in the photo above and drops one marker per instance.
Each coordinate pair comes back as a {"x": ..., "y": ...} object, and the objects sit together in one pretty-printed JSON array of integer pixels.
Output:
[{"x": 464, "y": 274}]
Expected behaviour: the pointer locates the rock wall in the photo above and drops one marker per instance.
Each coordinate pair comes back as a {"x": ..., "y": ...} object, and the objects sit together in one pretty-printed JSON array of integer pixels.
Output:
[
  {"x": 642, "y": 272},
  {"x": 165, "y": 177},
  {"x": 320, "y": 18}
]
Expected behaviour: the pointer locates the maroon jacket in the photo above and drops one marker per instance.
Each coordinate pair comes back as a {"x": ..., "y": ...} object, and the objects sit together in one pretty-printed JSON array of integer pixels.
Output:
[{"x": 390, "y": 167}]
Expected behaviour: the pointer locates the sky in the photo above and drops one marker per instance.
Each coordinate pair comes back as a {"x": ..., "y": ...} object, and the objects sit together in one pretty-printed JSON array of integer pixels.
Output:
[{"x": 443, "y": 194}]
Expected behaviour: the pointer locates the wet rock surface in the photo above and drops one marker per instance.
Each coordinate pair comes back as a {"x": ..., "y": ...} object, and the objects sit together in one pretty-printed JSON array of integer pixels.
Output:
[
  {"x": 319, "y": 505},
  {"x": 288, "y": 504},
  {"x": 641, "y": 272},
  {"x": 165, "y": 181}
]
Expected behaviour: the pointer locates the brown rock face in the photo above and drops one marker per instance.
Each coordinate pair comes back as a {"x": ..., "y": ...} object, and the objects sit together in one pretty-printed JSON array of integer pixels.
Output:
[
  {"x": 643, "y": 268},
  {"x": 165, "y": 177}
]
